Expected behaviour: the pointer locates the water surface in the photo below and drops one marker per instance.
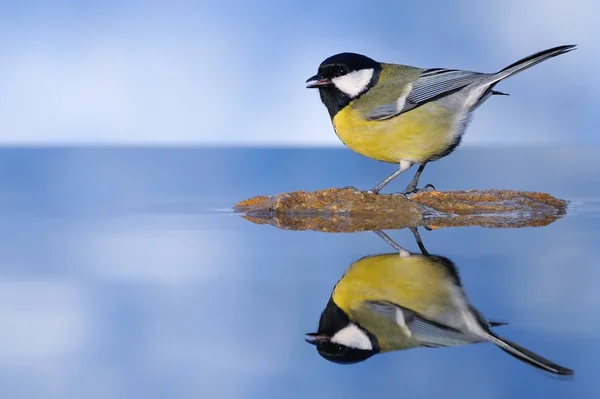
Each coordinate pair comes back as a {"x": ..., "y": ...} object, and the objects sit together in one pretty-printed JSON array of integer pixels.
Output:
[{"x": 124, "y": 273}]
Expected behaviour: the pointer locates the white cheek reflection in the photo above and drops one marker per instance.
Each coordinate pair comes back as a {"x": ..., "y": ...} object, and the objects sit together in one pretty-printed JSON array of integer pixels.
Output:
[
  {"x": 353, "y": 337},
  {"x": 355, "y": 82}
]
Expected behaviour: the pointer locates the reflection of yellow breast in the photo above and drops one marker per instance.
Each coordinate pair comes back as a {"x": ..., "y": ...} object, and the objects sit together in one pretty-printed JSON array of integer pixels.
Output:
[
  {"x": 416, "y": 282},
  {"x": 416, "y": 136}
]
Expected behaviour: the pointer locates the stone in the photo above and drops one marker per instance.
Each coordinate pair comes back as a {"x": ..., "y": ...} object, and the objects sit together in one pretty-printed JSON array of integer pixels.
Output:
[{"x": 349, "y": 209}]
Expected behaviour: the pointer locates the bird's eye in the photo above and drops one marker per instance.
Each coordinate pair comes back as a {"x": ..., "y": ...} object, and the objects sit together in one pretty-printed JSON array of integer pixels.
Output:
[
  {"x": 331, "y": 349},
  {"x": 341, "y": 71}
]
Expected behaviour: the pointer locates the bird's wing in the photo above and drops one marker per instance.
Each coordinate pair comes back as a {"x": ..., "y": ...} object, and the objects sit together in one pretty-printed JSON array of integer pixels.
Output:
[
  {"x": 428, "y": 332},
  {"x": 431, "y": 85}
]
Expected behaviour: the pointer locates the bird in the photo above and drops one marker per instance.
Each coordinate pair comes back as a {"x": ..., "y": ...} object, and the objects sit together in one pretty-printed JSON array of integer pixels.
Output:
[
  {"x": 402, "y": 300},
  {"x": 403, "y": 114}
]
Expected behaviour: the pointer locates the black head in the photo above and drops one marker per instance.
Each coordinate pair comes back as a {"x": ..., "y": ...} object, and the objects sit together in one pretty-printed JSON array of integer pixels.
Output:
[
  {"x": 340, "y": 65},
  {"x": 341, "y": 341},
  {"x": 344, "y": 77}
]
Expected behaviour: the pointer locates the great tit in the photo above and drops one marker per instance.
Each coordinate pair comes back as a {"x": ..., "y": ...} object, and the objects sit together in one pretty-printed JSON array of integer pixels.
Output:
[
  {"x": 404, "y": 300},
  {"x": 403, "y": 114}
]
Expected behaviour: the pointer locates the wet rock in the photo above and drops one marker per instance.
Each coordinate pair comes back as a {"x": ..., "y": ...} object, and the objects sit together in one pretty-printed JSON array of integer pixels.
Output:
[{"x": 349, "y": 209}]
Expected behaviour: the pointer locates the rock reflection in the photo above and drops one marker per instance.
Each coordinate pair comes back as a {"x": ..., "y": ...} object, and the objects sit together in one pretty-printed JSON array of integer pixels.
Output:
[{"x": 403, "y": 300}]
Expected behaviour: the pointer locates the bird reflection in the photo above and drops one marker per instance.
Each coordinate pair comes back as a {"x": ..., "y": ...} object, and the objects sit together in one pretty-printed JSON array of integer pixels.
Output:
[{"x": 404, "y": 300}]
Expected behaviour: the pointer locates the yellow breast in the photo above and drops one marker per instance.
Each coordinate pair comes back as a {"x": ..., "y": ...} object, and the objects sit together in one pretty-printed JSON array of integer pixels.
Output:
[{"x": 415, "y": 136}]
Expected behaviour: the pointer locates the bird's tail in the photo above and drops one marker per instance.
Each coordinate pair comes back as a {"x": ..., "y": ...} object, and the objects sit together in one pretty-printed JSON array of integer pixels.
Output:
[
  {"x": 528, "y": 356},
  {"x": 528, "y": 62}
]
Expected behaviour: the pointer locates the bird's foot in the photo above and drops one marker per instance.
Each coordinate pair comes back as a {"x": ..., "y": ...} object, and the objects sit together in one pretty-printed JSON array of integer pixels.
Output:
[
  {"x": 413, "y": 190},
  {"x": 371, "y": 191},
  {"x": 425, "y": 188}
]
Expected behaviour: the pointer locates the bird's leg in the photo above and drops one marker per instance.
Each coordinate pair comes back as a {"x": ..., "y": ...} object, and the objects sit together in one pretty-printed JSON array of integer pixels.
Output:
[
  {"x": 412, "y": 186},
  {"x": 415, "y": 232},
  {"x": 404, "y": 165},
  {"x": 401, "y": 251},
  {"x": 415, "y": 181},
  {"x": 389, "y": 240}
]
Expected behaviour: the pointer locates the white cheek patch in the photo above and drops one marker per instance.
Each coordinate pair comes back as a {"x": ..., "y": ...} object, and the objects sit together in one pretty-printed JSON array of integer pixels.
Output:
[
  {"x": 353, "y": 337},
  {"x": 355, "y": 82}
]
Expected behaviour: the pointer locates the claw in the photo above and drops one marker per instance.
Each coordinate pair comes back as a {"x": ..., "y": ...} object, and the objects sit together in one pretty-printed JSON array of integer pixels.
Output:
[
  {"x": 409, "y": 191},
  {"x": 418, "y": 190}
]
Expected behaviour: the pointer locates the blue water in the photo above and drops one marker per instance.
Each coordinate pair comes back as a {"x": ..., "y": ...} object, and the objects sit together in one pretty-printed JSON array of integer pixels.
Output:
[{"x": 124, "y": 274}]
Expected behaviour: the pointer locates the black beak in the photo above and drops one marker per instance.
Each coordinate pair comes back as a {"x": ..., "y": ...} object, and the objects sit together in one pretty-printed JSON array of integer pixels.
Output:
[
  {"x": 315, "y": 338},
  {"x": 317, "y": 81}
]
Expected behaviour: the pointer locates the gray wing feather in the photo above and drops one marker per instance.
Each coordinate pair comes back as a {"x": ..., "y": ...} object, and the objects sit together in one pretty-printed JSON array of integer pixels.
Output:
[
  {"x": 428, "y": 332},
  {"x": 383, "y": 309},
  {"x": 435, "y": 335},
  {"x": 383, "y": 112},
  {"x": 439, "y": 83},
  {"x": 431, "y": 85}
]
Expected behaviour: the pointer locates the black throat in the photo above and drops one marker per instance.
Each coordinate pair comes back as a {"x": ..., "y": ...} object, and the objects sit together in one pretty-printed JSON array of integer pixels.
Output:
[
  {"x": 335, "y": 100},
  {"x": 333, "y": 319}
]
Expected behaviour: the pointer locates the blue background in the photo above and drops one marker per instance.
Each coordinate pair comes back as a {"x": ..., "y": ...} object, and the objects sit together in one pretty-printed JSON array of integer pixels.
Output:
[{"x": 233, "y": 72}]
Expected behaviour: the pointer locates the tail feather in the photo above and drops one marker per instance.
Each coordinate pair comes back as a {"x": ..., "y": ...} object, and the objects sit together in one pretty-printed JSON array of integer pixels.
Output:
[
  {"x": 528, "y": 356},
  {"x": 529, "y": 61},
  {"x": 481, "y": 90}
]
